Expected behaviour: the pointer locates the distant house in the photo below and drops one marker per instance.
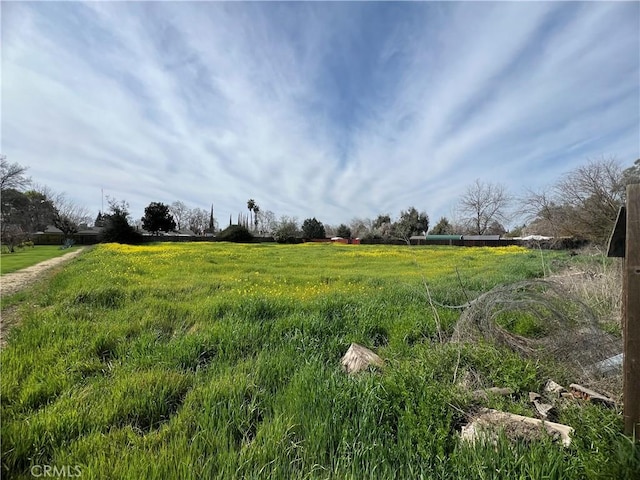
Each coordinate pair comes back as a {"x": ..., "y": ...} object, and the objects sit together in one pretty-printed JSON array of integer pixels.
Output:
[
  {"x": 53, "y": 236},
  {"x": 90, "y": 231},
  {"x": 51, "y": 230},
  {"x": 89, "y": 235}
]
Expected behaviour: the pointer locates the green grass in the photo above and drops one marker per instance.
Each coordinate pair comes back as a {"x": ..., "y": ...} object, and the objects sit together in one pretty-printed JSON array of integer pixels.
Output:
[
  {"x": 222, "y": 361},
  {"x": 27, "y": 256}
]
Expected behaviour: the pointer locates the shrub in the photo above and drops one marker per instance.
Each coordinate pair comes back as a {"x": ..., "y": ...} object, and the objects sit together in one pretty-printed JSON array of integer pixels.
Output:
[
  {"x": 68, "y": 243},
  {"x": 287, "y": 232},
  {"x": 235, "y": 233}
]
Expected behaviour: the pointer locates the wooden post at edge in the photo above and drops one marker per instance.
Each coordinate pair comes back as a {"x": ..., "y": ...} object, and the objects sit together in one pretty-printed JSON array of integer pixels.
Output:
[{"x": 631, "y": 314}]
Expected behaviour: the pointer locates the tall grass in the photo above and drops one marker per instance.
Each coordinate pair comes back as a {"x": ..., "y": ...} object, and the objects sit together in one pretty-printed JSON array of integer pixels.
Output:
[{"x": 222, "y": 361}]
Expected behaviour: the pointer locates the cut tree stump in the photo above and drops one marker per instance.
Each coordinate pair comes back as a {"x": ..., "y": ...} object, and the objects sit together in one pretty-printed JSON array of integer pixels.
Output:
[{"x": 359, "y": 358}]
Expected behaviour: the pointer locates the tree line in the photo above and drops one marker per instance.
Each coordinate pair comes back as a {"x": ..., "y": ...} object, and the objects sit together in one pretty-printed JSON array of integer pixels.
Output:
[{"x": 582, "y": 203}]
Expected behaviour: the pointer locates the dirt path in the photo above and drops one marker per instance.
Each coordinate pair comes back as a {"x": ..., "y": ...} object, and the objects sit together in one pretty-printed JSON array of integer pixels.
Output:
[
  {"x": 14, "y": 282},
  {"x": 11, "y": 283}
]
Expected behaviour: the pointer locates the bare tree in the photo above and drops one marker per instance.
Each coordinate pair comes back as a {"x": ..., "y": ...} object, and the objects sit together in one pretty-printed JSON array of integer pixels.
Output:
[
  {"x": 179, "y": 212},
  {"x": 198, "y": 220},
  {"x": 542, "y": 210},
  {"x": 361, "y": 227},
  {"x": 14, "y": 204},
  {"x": 267, "y": 222},
  {"x": 592, "y": 193},
  {"x": 286, "y": 230},
  {"x": 583, "y": 203},
  {"x": 12, "y": 175},
  {"x": 482, "y": 204},
  {"x": 69, "y": 215}
]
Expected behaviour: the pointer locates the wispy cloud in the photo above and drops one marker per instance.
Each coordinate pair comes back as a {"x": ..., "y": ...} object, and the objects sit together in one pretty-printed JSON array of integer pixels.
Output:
[{"x": 329, "y": 110}]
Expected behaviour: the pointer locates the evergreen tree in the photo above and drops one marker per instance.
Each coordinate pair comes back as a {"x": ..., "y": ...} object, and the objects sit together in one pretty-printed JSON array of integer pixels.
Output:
[
  {"x": 312, "y": 228},
  {"x": 116, "y": 224},
  {"x": 157, "y": 217},
  {"x": 343, "y": 231}
]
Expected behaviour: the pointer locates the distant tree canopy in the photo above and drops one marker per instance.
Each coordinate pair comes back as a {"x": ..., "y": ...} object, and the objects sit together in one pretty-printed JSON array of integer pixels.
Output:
[
  {"x": 411, "y": 222},
  {"x": 31, "y": 211},
  {"x": 482, "y": 205},
  {"x": 12, "y": 175},
  {"x": 254, "y": 209},
  {"x": 632, "y": 174},
  {"x": 381, "y": 227},
  {"x": 443, "y": 227},
  {"x": 200, "y": 221},
  {"x": 267, "y": 222},
  {"x": 312, "y": 228},
  {"x": 583, "y": 203},
  {"x": 179, "y": 212},
  {"x": 69, "y": 214},
  {"x": 24, "y": 213},
  {"x": 99, "y": 221},
  {"x": 343, "y": 231},
  {"x": 116, "y": 224},
  {"x": 286, "y": 230},
  {"x": 15, "y": 204},
  {"x": 212, "y": 222},
  {"x": 157, "y": 218},
  {"x": 381, "y": 220},
  {"x": 361, "y": 227}
]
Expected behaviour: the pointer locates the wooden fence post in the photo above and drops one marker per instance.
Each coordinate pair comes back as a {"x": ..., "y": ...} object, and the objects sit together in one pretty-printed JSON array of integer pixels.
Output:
[{"x": 631, "y": 314}]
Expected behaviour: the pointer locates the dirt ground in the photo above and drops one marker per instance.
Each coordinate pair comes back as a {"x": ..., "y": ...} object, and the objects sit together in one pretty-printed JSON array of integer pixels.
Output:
[{"x": 11, "y": 283}]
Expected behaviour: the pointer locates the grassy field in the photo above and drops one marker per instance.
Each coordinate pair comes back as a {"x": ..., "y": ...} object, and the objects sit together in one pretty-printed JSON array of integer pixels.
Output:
[
  {"x": 25, "y": 257},
  {"x": 223, "y": 361}
]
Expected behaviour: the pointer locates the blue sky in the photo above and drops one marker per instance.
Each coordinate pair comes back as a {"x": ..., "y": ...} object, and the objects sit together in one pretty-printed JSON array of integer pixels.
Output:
[{"x": 333, "y": 110}]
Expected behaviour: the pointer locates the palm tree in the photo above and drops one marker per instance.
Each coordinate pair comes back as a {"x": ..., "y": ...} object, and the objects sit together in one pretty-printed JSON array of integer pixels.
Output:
[{"x": 251, "y": 204}]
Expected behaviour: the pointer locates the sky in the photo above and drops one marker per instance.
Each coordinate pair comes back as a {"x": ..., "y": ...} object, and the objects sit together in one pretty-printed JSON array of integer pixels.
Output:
[{"x": 329, "y": 110}]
